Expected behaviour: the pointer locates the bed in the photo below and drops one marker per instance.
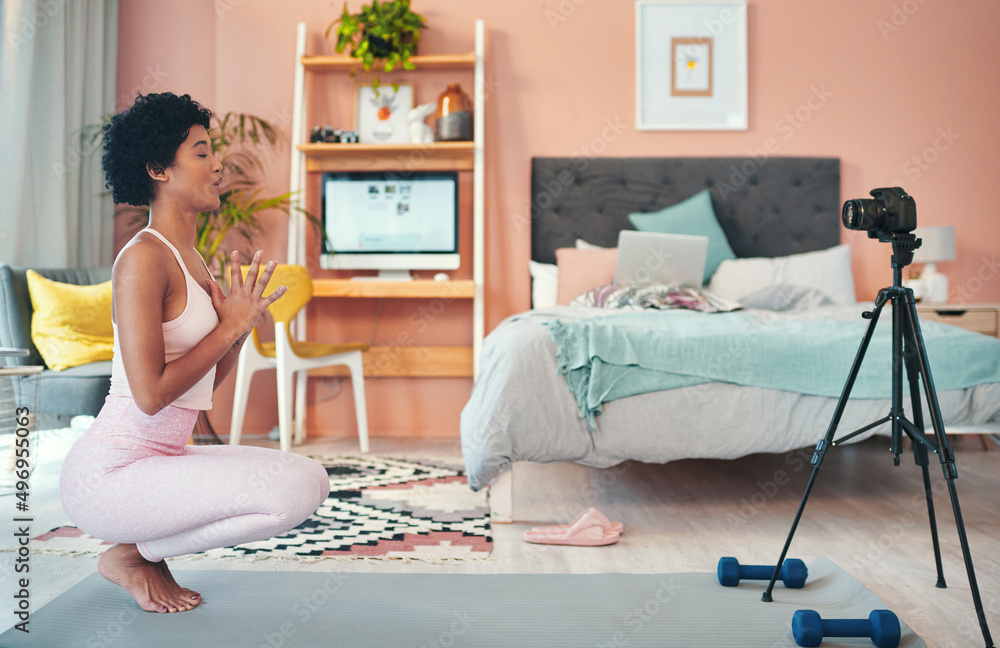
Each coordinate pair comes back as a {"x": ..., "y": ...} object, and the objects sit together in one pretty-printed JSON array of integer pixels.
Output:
[{"x": 541, "y": 397}]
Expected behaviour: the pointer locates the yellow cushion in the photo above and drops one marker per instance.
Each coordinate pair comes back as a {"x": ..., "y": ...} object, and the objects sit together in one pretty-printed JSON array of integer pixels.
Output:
[
  {"x": 312, "y": 349},
  {"x": 71, "y": 324}
]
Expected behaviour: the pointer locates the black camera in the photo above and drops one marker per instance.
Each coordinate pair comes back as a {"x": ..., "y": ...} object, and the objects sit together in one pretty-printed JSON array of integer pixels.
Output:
[
  {"x": 331, "y": 135},
  {"x": 889, "y": 211}
]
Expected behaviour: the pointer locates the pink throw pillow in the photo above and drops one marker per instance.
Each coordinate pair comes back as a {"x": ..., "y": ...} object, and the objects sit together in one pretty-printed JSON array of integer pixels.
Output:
[{"x": 582, "y": 270}]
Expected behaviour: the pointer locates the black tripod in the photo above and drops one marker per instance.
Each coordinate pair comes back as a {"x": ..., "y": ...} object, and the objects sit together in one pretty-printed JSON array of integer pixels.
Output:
[{"x": 907, "y": 350}]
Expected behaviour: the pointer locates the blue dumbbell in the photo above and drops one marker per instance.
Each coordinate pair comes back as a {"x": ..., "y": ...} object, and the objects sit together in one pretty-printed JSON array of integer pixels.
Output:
[
  {"x": 793, "y": 572},
  {"x": 881, "y": 625}
]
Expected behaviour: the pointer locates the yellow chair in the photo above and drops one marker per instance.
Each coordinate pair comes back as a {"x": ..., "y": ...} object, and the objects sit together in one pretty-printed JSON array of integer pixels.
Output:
[{"x": 291, "y": 357}]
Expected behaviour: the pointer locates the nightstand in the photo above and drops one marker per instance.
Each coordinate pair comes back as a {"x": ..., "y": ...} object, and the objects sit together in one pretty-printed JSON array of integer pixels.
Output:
[{"x": 980, "y": 318}]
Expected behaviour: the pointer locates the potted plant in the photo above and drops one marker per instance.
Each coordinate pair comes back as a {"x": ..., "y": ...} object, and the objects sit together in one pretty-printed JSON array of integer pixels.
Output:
[{"x": 384, "y": 31}]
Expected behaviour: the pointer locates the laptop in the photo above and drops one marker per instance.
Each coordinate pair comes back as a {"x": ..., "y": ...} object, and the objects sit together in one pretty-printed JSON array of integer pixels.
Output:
[{"x": 670, "y": 259}]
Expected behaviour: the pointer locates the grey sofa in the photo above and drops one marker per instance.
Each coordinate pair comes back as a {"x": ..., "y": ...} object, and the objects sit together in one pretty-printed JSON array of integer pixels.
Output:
[{"x": 59, "y": 395}]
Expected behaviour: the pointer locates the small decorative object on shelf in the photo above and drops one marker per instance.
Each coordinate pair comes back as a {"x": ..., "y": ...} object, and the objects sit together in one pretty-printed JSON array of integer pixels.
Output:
[
  {"x": 331, "y": 135},
  {"x": 327, "y": 134},
  {"x": 383, "y": 114},
  {"x": 420, "y": 132},
  {"x": 454, "y": 115}
]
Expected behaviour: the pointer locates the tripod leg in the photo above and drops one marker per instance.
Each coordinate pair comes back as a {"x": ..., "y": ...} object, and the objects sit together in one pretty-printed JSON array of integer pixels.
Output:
[
  {"x": 826, "y": 442},
  {"x": 899, "y": 359},
  {"x": 967, "y": 555},
  {"x": 919, "y": 446},
  {"x": 920, "y": 456},
  {"x": 947, "y": 457}
]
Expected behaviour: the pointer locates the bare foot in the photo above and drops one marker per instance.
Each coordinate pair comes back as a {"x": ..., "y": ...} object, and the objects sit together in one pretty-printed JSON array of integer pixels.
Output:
[
  {"x": 151, "y": 584},
  {"x": 188, "y": 593}
]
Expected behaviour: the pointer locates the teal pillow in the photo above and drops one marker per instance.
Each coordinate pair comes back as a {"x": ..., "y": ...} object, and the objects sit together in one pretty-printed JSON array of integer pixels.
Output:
[{"x": 693, "y": 216}]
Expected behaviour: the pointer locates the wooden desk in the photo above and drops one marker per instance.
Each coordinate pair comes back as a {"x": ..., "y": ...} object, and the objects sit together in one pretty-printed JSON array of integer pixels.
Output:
[{"x": 404, "y": 361}]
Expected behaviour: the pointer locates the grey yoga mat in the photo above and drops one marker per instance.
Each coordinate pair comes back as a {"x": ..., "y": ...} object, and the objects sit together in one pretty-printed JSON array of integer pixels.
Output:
[{"x": 258, "y": 609}]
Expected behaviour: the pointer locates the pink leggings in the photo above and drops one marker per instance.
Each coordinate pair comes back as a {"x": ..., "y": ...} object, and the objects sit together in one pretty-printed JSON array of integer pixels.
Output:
[{"x": 132, "y": 478}]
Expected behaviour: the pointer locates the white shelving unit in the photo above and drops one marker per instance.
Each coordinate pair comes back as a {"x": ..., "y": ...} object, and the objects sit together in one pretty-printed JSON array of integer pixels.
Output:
[{"x": 459, "y": 156}]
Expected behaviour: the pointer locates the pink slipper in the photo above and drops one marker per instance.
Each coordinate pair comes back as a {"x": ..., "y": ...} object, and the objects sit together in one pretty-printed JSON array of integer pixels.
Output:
[
  {"x": 592, "y": 514},
  {"x": 588, "y": 530}
]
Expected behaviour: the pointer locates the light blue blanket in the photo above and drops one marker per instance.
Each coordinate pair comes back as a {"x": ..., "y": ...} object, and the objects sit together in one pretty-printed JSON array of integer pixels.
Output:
[{"x": 607, "y": 358}]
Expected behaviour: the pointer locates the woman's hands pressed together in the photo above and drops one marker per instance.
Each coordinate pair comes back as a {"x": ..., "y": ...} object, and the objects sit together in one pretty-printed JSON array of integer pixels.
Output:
[{"x": 240, "y": 311}]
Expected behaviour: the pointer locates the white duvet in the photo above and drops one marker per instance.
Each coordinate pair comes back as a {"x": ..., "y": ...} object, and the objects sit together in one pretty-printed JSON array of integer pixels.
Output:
[{"x": 522, "y": 410}]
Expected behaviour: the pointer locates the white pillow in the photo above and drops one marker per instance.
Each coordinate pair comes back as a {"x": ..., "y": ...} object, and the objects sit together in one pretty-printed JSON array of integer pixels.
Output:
[
  {"x": 544, "y": 284},
  {"x": 826, "y": 271},
  {"x": 584, "y": 245}
]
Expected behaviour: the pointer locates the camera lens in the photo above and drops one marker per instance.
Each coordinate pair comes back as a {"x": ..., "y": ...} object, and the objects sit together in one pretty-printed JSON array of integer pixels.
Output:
[
  {"x": 850, "y": 215},
  {"x": 864, "y": 214}
]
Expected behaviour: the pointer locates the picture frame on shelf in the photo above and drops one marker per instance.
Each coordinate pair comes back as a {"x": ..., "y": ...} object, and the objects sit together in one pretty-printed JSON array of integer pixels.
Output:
[
  {"x": 383, "y": 114},
  {"x": 691, "y": 65}
]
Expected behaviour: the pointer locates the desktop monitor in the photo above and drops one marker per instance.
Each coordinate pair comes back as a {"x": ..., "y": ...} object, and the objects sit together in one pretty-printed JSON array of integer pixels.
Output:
[{"x": 389, "y": 221}]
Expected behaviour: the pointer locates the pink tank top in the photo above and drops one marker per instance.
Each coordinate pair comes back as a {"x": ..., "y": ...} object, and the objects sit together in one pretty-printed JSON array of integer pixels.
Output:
[{"x": 180, "y": 335}]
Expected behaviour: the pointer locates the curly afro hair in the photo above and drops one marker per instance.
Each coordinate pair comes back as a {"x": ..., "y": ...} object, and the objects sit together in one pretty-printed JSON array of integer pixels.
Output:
[{"x": 148, "y": 133}]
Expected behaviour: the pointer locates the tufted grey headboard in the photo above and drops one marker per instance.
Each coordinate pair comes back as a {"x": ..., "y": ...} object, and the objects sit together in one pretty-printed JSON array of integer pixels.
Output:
[{"x": 771, "y": 207}]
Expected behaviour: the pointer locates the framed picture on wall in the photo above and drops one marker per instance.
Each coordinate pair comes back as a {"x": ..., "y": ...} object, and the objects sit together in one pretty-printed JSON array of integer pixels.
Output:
[
  {"x": 384, "y": 116},
  {"x": 691, "y": 65}
]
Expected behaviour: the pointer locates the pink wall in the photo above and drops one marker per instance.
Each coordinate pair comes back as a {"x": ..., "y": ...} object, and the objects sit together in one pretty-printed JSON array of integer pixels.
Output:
[{"x": 902, "y": 91}]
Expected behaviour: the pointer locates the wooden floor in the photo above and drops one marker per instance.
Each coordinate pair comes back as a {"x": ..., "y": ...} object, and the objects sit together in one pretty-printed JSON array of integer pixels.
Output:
[{"x": 864, "y": 514}]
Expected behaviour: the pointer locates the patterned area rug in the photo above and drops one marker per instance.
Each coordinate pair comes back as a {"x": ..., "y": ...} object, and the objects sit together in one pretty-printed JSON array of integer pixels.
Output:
[{"x": 378, "y": 508}]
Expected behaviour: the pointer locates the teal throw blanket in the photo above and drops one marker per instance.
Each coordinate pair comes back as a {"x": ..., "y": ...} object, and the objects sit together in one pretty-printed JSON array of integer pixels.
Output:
[{"x": 607, "y": 358}]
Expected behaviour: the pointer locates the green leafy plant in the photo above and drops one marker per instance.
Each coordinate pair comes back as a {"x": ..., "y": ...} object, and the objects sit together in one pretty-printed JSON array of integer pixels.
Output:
[
  {"x": 384, "y": 31},
  {"x": 239, "y": 140}
]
